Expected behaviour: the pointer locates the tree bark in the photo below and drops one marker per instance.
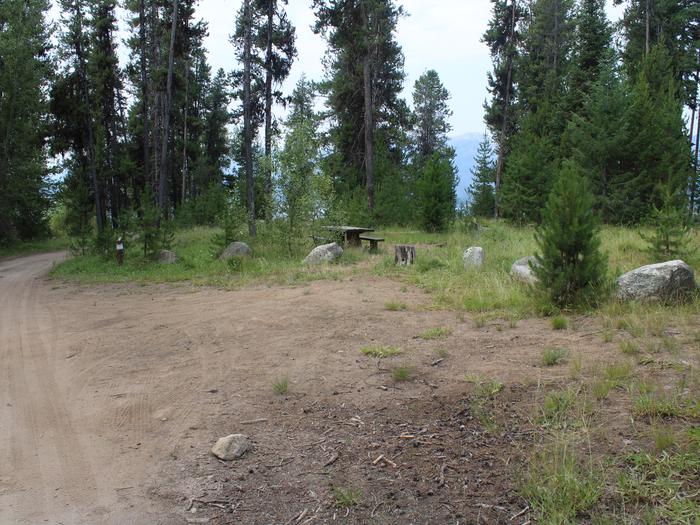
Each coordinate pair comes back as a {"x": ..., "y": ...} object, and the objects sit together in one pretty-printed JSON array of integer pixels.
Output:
[
  {"x": 646, "y": 42},
  {"x": 504, "y": 124},
  {"x": 145, "y": 96},
  {"x": 166, "y": 114},
  {"x": 271, "y": 5},
  {"x": 247, "y": 119},
  {"x": 369, "y": 134},
  {"x": 185, "y": 164},
  {"x": 90, "y": 134},
  {"x": 404, "y": 254}
]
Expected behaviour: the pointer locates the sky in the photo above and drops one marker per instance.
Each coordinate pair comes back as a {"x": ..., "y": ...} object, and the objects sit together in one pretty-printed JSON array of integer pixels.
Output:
[{"x": 447, "y": 39}]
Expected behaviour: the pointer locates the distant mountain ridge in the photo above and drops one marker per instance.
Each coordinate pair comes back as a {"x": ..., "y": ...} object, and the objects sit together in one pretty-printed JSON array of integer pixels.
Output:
[{"x": 465, "y": 146}]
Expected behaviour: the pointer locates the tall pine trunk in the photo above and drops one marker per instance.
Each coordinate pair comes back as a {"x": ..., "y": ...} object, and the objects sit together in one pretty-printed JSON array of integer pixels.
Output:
[
  {"x": 247, "y": 119},
  {"x": 369, "y": 133},
  {"x": 271, "y": 5},
  {"x": 166, "y": 114},
  {"x": 504, "y": 125},
  {"x": 145, "y": 109},
  {"x": 89, "y": 131}
]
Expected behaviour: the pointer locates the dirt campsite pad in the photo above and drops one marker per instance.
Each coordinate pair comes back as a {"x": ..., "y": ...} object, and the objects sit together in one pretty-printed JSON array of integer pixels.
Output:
[{"x": 112, "y": 397}]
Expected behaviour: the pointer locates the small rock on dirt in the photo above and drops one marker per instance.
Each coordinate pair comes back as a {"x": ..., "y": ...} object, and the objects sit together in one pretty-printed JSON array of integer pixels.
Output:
[
  {"x": 667, "y": 281},
  {"x": 236, "y": 249},
  {"x": 167, "y": 257},
  {"x": 324, "y": 253},
  {"x": 474, "y": 257},
  {"x": 231, "y": 447},
  {"x": 521, "y": 270}
]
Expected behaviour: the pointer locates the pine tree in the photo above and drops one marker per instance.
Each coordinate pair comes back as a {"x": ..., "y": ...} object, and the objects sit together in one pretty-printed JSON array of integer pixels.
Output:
[
  {"x": 591, "y": 47},
  {"x": 431, "y": 116},
  {"x": 659, "y": 150},
  {"x": 436, "y": 191},
  {"x": 362, "y": 33},
  {"x": 24, "y": 66},
  {"x": 277, "y": 43},
  {"x": 570, "y": 266},
  {"x": 597, "y": 140},
  {"x": 481, "y": 190},
  {"x": 504, "y": 38},
  {"x": 671, "y": 234}
]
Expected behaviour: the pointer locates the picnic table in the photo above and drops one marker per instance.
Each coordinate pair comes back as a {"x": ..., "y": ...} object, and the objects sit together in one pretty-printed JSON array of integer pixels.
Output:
[{"x": 351, "y": 234}]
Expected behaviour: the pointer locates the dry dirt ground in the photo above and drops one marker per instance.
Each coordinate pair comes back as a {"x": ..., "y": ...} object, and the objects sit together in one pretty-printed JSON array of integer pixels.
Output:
[{"x": 112, "y": 396}]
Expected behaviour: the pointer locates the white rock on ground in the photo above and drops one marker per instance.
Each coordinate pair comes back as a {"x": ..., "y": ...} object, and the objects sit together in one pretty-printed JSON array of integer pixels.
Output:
[
  {"x": 231, "y": 447},
  {"x": 236, "y": 249},
  {"x": 324, "y": 253},
  {"x": 474, "y": 257},
  {"x": 665, "y": 281},
  {"x": 167, "y": 257},
  {"x": 521, "y": 270}
]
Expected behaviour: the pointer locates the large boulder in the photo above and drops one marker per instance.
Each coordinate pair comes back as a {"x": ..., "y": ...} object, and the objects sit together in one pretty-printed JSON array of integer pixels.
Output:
[
  {"x": 236, "y": 249},
  {"x": 521, "y": 270},
  {"x": 231, "y": 447},
  {"x": 474, "y": 257},
  {"x": 167, "y": 257},
  {"x": 667, "y": 281},
  {"x": 324, "y": 253}
]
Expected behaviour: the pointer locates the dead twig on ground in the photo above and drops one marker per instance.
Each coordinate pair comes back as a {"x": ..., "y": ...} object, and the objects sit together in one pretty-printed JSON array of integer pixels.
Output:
[
  {"x": 332, "y": 460},
  {"x": 253, "y": 421},
  {"x": 437, "y": 361},
  {"x": 520, "y": 513}
]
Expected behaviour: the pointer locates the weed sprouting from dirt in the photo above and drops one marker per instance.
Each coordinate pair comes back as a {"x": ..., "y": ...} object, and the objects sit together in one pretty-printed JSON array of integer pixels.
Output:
[
  {"x": 560, "y": 322},
  {"x": 435, "y": 333},
  {"x": 554, "y": 356},
  {"x": 380, "y": 351},
  {"x": 618, "y": 373},
  {"x": 346, "y": 497},
  {"x": 395, "y": 306},
  {"x": 281, "y": 386},
  {"x": 402, "y": 373}
]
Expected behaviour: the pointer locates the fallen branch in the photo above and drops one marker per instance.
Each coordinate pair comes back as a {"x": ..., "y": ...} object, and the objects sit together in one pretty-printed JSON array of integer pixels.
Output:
[
  {"x": 520, "y": 513},
  {"x": 253, "y": 421},
  {"x": 437, "y": 361},
  {"x": 332, "y": 460}
]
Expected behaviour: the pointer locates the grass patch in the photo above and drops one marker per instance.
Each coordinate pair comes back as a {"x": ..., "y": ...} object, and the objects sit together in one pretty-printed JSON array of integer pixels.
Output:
[
  {"x": 629, "y": 348},
  {"x": 346, "y": 497},
  {"x": 559, "y": 408},
  {"x": 380, "y": 351},
  {"x": 601, "y": 389},
  {"x": 618, "y": 373},
  {"x": 395, "y": 306},
  {"x": 435, "y": 333},
  {"x": 560, "y": 486},
  {"x": 402, "y": 373},
  {"x": 663, "y": 485},
  {"x": 554, "y": 356},
  {"x": 273, "y": 262},
  {"x": 560, "y": 323},
  {"x": 280, "y": 386}
]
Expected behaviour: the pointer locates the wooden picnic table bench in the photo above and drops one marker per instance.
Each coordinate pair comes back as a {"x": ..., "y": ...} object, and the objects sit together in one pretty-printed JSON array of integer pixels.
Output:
[
  {"x": 373, "y": 242},
  {"x": 351, "y": 234}
]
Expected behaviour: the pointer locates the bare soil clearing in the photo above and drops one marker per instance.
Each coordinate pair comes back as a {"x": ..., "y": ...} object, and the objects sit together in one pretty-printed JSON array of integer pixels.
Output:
[{"x": 112, "y": 396}]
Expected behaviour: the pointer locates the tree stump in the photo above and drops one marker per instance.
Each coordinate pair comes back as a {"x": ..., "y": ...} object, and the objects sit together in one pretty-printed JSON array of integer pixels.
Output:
[{"x": 404, "y": 254}]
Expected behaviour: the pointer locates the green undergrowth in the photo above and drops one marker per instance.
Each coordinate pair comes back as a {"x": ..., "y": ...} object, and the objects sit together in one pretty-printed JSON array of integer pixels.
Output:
[
  {"x": 271, "y": 263},
  {"x": 53, "y": 244}
]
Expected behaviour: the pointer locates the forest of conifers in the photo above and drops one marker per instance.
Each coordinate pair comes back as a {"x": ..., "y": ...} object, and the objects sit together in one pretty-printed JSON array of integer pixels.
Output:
[{"x": 94, "y": 144}]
